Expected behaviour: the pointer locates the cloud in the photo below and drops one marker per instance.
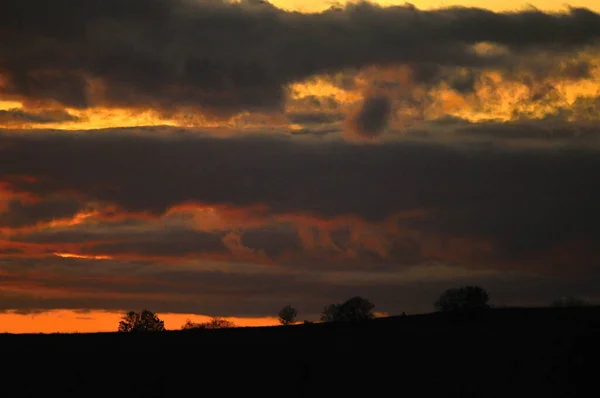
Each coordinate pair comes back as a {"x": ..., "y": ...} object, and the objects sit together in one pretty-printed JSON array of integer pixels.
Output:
[
  {"x": 310, "y": 118},
  {"x": 19, "y": 117},
  {"x": 177, "y": 242},
  {"x": 274, "y": 241},
  {"x": 148, "y": 237},
  {"x": 372, "y": 118},
  {"x": 61, "y": 283},
  {"x": 227, "y": 57},
  {"x": 139, "y": 170},
  {"x": 21, "y": 214},
  {"x": 298, "y": 203}
]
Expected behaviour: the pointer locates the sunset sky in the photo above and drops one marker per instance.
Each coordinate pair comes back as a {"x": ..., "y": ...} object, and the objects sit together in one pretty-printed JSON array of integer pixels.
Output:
[{"x": 211, "y": 158}]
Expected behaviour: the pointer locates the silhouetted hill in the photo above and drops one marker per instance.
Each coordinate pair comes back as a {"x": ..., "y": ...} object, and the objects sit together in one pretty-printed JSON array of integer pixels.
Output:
[{"x": 498, "y": 353}]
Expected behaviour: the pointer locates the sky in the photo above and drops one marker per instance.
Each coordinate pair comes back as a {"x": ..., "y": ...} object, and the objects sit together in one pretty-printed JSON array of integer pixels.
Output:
[{"x": 205, "y": 158}]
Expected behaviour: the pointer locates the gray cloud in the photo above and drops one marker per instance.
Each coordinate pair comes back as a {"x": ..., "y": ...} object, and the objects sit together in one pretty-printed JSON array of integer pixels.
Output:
[
  {"x": 170, "y": 243},
  {"x": 274, "y": 241},
  {"x": 226, "y": 57},
  {"x": 310, "y": 118},
  {"x": 139, "y": 238}
]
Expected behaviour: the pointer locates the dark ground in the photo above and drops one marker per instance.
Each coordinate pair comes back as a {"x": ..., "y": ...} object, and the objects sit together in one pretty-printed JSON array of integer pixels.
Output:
[{"x": 501, "y": 353}]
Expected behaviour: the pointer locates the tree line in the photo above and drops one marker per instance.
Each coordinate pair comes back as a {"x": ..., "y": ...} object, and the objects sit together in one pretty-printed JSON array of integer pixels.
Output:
[{"x": 355, "y": 309}]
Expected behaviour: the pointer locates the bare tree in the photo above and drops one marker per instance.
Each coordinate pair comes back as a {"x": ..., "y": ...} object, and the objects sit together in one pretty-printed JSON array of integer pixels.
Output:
[
  {"x": 145, "y": 321},
  {"x": 219, "y": 323},
  {"x": 287, "y": 315},
  {"x": 214, "y": 323},
  {"x": 189, "y": 325}
]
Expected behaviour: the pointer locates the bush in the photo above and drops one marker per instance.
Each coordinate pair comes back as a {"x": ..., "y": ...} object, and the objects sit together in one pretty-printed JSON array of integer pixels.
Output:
[{"x": 354, "y": 309}]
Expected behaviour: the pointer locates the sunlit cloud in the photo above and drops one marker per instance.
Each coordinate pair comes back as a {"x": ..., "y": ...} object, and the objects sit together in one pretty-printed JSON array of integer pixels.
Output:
[{"x": 83, "y": 256}]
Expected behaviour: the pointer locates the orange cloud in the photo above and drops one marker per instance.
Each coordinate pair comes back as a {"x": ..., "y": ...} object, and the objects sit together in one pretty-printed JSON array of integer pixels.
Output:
[{"x": 362, "y": 242}]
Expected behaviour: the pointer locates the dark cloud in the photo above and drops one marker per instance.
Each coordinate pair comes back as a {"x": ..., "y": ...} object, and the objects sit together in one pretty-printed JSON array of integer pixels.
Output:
[
  {"x": 226, "y": 57},
  {"x": 372, "y": 118},
  {"x": 169, "y": 243},
  {"x": 22, "y": 214},
  {"x": 148, "y": 239},
  {"x": 274, "y": 241},
  {"x": 261, "y": 294},
  {"x": 19, "y": 116},
  {"x": 341, "y": 237},
  {"x": 316, "y": 131},
  {"x": 526, "y": 130},
  {"x": 156, "y": 285},
  {"x": 432, "y": 74},
  {"x": 314, "y": 117},
  {"x": 407, "y": 250},
  {"x": 145, "y": 171}
]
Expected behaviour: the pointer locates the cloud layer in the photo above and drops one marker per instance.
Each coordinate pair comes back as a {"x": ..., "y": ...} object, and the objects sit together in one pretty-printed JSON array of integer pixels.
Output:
[
  {"x": 324, "y": 218},
  {"x": 223, "y": 58}
]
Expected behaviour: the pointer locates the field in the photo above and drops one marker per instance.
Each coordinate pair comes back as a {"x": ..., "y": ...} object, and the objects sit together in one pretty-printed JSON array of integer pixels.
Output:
[{"x": 500, "y": 353}]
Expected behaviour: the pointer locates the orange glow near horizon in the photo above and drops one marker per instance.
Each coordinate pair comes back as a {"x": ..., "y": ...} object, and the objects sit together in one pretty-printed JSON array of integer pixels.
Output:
[{"x": 71, "y": 321}]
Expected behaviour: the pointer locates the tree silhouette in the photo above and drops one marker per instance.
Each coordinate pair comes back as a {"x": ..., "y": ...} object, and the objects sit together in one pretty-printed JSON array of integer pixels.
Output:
[
  {"x": 570, "y": 301},
  {"x": 214, "y": 323},
  {"x": 287, "y": 315},
  {"x": 466, "y": 298},
  {"x": 354, "y": 309},
  {"x": 146, "y": 321},
  {"x": 189, "y": 325},
  {"x": 219, "y": 323}
]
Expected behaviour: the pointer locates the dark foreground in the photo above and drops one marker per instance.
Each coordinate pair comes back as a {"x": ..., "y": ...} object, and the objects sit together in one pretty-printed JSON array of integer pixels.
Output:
[{"x": 502, "y": 353}]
